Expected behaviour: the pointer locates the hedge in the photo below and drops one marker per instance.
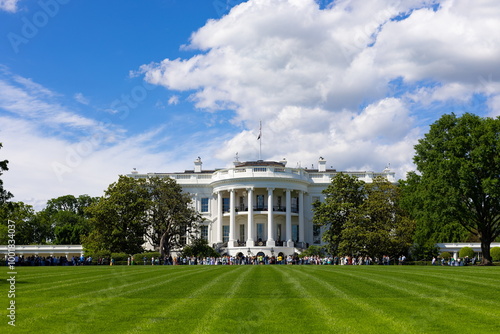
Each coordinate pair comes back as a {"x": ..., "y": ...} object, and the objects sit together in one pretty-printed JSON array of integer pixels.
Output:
[
  {"x": 495, "y": 253},
  {"x": 466, "y": 251}
]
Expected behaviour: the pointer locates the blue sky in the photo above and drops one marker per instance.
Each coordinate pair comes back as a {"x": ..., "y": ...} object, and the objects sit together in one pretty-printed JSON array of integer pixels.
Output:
[{"x": 91, "y": 89}]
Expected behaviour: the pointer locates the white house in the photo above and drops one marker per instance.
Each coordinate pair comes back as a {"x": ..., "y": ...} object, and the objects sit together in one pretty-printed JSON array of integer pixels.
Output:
[{"x": 259, "y": 206}]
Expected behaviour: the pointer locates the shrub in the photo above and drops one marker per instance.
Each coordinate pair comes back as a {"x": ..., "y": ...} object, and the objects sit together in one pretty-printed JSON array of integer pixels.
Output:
[
  {"x": 445, "y": 255},
  {"x": 466, "y": 251},
  {"x": 313, "y": 251},
  {"x": 119, "y": 256},
  {"x": 98, "y": 254},
  {"x": 199, "y": 248},
  {"x": 139, "y": 258},
  {"x": 495, "y": 253}
]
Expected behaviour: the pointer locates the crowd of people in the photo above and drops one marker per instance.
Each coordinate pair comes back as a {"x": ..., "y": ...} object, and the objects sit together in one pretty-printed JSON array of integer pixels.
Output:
[
  {"x": 454, "y": 262},
  {"x": 265, "y": 259},
  {"x": 35, "y": 260}
]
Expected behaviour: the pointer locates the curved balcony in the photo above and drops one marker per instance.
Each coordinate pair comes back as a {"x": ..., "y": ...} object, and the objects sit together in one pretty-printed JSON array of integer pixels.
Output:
[{"x": 249, "y": 172}]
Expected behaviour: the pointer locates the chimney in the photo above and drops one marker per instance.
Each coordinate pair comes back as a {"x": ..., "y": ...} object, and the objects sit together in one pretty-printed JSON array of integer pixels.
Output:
[
  {"x": 197, "y": 165},
  {"x": 321, "y": 165}
]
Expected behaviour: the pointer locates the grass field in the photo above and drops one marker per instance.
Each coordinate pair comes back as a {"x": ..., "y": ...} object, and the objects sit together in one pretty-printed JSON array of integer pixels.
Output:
[{"x": 254, "y": 299}]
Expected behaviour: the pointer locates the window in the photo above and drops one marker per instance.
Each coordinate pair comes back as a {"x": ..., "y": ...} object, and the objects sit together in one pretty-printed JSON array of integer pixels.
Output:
[
  {"x": 295, "y": 204},
  {"x": 183, "y": 236},
  {"x": 225, "y": 205},
  {"x": 225, "y": 233},
  {"x": 316, "y": 234},
  {"x": 204, "y": 233},
  {"x": 242, "y": 204},
  {"x": 260, "y": 202},
  {"x": 295, "y": 233},
  {"x": 279, "y": 208},
  {"x": 242, "y": 233},
  {"x": 278, "y": 232},
  {"x": 260, "y": 232},
  {"x": 204, "y": 204}
]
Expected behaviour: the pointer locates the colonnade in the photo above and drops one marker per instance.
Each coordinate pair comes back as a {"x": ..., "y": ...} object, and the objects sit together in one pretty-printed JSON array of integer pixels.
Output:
[{"x": 251, "y": 212}]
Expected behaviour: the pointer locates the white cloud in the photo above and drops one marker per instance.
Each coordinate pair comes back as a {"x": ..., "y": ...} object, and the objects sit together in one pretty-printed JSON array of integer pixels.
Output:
[
  {"x": 322, "y": 80},
  {"x": 9, "y": 5},
  {"x": 77, "y": 155},
  {"x": 30, "y": 100},
  {"x": 173, "y": 100},
  {"x": 42, "y": 167},
  {"x": 81, "y": 99}
]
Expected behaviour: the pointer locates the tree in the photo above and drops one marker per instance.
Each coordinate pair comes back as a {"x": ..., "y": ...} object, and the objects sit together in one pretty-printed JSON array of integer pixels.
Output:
[
  {"x": 171, "y": 218},
  {"x": 343, "y": 199},
  {"x": 67, "y": 216},
  {"x": 387, "y": 229},
  {"x": 364, "y": 219},
  {"x": 118, "y": 220},
  {"x": 4, "y": 194},
  {"x": 199, "y": 248},
  {"x": 29, "y": 229},
  {"x": 459, "y": 180},
  {"x": 432, "y": 226}
]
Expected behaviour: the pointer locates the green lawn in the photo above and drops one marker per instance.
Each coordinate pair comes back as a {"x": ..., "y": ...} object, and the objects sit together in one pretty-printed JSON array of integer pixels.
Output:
[{"x": 254, "y": 299}]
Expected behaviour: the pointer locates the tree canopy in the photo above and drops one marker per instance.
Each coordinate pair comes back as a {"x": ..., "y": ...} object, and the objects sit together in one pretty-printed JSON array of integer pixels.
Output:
[
  {"x": 118, "y": 219},
  {"x": 171, "y": 217},
  {"x": 459, "y": 177},
  {"x": 134, "y": 210},
  {"x": 363, "y": 219}
]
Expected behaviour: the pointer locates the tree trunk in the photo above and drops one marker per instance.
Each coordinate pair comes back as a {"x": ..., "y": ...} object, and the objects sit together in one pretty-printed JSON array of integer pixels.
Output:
[
  {"x": 164, "y": 247},
  {"x": 485, "y": 248}
]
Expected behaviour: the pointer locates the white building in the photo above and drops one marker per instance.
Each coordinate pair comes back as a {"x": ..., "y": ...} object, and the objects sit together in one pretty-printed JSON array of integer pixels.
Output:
[{"x": 259, "y": 206}]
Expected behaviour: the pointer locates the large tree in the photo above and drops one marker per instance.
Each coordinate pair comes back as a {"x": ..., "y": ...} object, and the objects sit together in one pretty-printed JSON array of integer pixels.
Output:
[
  {"x": 67, "y": 215},
  {"x": 432, "y": 226},
  {"x": 387, "y": 229},
  {"x": 363, "y": 218},
  {"x": 171, "y": 217},
  {"x": 29, "y": 228},
  {"x": 459, "y": 179},
  {"x": 341, "y": 207},
  {"x": 118, "y": 219}
]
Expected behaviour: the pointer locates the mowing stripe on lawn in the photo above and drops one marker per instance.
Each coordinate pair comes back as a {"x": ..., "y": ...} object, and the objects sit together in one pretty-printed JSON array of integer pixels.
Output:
[
  {"x": 207, "y": 322},
  {"x": 438, "y": 284},
  {"x": 111, "y": 293},
  {"x": 317, "y": 304},
  {"x": 415, "y": 289},
  {"x": 396, "y": 325},
  {"x": 171, "y": 308},
  {"x": 451, "y": 275},
  {"x": 67, "y": 283}
]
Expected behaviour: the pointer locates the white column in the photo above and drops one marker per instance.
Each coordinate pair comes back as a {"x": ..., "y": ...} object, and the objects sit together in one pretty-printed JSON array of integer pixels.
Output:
[
  {"x": 232, "y": 218},
  {"x": 270, "y": 214},
  {"x": 250, "y": 240},
  {"x": 301, "y": 216},
  {"x": 218, "y": 229},
  {"x": 289, "y": 241}
]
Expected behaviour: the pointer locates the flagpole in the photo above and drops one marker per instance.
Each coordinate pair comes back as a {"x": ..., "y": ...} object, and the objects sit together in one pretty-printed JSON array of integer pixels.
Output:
[{"x": 260, "y": 140}]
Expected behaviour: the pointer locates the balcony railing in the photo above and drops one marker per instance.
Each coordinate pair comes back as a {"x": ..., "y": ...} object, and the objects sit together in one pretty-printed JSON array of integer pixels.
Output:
[
  {"x": 294, "y": 209},
  {"x": 276, "y": 208}
]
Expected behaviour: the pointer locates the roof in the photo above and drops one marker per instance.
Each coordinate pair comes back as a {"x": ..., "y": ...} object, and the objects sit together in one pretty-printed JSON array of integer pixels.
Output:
[{"x": 261, "y": 163}]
